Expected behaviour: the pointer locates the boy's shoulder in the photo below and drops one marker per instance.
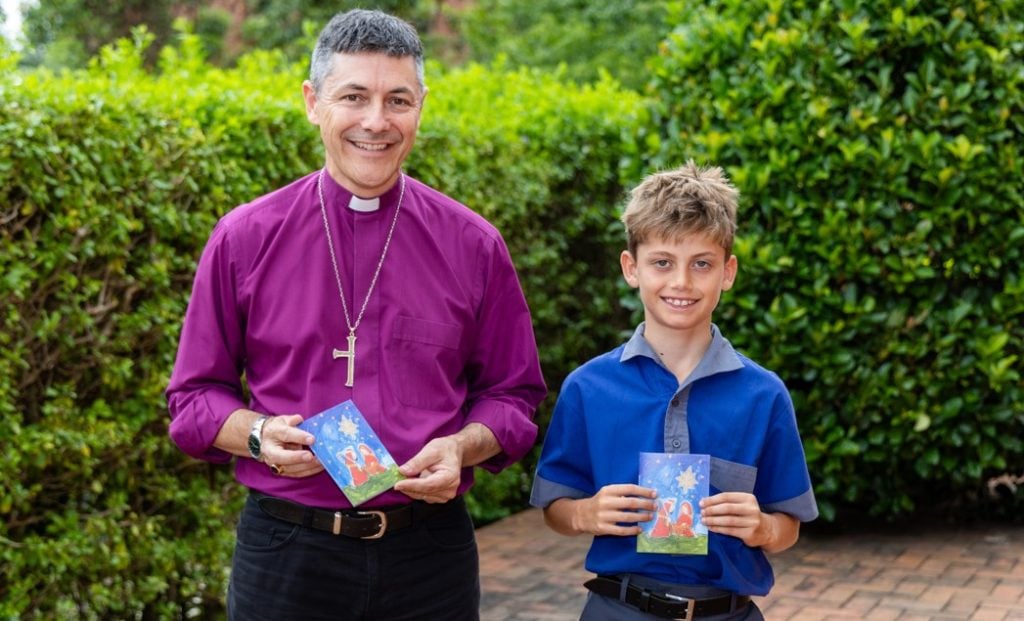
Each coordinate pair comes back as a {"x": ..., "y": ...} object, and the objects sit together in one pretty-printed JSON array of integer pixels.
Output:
[
  {"x": 753, "y": 376},
  {"x": 752, "y": 371},
  {"x": 598, "y": 367}
]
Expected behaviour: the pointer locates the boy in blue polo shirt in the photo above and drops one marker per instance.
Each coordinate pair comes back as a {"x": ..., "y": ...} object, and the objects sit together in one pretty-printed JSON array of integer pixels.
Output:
[{"x": 677, "y": 386}]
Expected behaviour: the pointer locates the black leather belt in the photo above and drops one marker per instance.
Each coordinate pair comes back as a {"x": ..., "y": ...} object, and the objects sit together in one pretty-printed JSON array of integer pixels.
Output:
[
  {"x": 666, "y": 605},
  {"x": 355, "y": 523}
]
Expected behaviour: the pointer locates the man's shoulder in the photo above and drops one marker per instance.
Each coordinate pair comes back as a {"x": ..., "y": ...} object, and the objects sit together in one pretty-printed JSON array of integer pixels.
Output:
[
  {"x": 443, "y": 209},
  {"x": 270, "y": 207}
]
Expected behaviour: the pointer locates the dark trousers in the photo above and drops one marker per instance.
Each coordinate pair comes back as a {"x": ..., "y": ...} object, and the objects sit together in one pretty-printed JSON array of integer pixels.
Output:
[
  {"x": 600, "y": 608},
  {"x": 282, "y": 571}
]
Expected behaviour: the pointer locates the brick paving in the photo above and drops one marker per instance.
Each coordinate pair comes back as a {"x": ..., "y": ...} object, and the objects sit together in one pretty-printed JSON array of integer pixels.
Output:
[{"x": 529, "y": 573}]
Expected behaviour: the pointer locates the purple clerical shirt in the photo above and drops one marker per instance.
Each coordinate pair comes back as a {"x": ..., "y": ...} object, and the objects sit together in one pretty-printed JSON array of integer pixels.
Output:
[{"x": 446, "y": 338}]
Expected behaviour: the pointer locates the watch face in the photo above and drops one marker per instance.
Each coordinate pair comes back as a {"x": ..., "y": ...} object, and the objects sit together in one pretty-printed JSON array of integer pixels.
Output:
[{"x": 255, "y": 432}]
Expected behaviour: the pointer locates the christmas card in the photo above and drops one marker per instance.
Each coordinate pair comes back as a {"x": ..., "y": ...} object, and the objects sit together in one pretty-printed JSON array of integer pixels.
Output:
[
  {"x": 351, "y": 452},
  {"x": 681, "y": 481}
]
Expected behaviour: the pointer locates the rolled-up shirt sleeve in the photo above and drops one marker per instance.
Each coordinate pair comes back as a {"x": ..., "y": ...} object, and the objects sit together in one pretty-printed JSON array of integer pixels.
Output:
[
  {"x": 505, "y": 380},
  {"x": 205, "y": 386},
  {"x": 564, "y": 470}
]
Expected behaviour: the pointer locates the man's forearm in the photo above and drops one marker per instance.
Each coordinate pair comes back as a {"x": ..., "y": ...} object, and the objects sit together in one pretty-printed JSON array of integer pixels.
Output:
[
  {"x": 233, "y": 436},
  {"x": 476, "y": 443}
]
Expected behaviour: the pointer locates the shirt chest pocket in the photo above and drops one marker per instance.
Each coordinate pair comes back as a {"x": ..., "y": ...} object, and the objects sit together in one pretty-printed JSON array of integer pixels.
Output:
[
  {"x": 425, "y": 363},
  {"x": 729, "y": 476}
]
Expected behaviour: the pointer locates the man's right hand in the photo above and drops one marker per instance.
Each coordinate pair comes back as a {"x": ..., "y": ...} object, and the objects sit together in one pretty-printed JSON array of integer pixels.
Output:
[
  {"x": 287, "y": 447},
  {"x": 283, "y": 444}
]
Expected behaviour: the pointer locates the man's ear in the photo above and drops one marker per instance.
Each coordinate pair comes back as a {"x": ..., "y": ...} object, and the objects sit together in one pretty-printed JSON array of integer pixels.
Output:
[
  {"x": 628, "y": 264},
  {"x": 309, "y": 96},
  {"x": 423, "y": 101}
]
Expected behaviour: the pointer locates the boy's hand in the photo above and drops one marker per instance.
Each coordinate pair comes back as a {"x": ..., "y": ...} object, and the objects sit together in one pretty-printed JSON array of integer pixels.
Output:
[
  {"x": 605, "y": 512},
  {"x": 739, "y": 515}
]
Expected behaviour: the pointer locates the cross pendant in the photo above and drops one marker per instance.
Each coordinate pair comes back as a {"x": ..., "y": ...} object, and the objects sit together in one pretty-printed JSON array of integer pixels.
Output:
[{"x": 350, "y": 356}]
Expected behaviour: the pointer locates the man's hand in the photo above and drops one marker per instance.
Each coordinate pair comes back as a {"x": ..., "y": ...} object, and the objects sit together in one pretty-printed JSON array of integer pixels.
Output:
[
  {"x": 739, "y": 515},
  {"x": 613, "y": 510},
  {"x": 286, "y": 446},
  {"x": 282, "y": 443},
  {"x": 435, "y": 472}
]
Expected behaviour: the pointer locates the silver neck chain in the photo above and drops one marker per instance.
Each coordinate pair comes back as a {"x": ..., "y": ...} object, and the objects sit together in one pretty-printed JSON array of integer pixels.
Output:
[{"x": 334, "y": 260}]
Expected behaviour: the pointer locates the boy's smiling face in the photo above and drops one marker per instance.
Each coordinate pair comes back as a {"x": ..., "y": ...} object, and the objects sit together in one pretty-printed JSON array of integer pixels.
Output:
[{"x": 680, "y": 281}]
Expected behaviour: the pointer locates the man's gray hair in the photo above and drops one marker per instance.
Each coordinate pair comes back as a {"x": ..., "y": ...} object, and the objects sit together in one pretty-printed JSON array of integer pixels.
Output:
[{"x": 358, "y": 31}]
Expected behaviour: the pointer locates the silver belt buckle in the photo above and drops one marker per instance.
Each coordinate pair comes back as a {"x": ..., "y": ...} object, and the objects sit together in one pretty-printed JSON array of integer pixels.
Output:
[
  {"x": 690, "y": 605},
  {"x": 339, "y": 517},
  {"x": 383, "y": 524}
]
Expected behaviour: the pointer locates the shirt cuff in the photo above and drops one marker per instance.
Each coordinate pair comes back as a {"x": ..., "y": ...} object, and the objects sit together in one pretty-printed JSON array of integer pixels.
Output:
[
  {"x": 545, "y": 492},
  {"x": 512, "y": 428},
  {"x": 804, "y": 507},
  {"x": 197, "y": 423}
]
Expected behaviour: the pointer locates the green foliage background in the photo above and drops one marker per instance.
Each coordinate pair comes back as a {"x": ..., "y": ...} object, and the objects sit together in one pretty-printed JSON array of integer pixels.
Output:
[
  {"x": 878, "y": 148},
  {"x": 876, "y": 144},
  {"x": 587, "y": 38}
]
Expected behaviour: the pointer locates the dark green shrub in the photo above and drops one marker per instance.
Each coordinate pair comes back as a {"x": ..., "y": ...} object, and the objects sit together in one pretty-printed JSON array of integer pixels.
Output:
[
  {"x": 110, "y": 182},
  {"x": 586, "y": 38},
  {"x": 878, "y": 149},
  {"x": 547, "y": 163}
]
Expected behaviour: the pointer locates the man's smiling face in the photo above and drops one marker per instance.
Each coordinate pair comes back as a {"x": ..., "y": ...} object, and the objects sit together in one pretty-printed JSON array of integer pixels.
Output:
[{"x": 368, "y": 110}]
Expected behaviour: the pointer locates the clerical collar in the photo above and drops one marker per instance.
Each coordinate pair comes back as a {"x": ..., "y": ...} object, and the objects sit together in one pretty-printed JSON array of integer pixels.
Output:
[{"x": 364, "y": 204}]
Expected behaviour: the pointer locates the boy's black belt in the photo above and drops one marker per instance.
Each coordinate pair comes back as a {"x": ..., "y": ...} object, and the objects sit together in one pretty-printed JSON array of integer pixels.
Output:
[
  {"x": 666, "y": 605},
  {"x": 355, "y": 523}
]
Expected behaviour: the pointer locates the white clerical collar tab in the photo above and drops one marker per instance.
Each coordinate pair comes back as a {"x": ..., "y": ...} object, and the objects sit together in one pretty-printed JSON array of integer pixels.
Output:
[{"x": 364, "y": 204}]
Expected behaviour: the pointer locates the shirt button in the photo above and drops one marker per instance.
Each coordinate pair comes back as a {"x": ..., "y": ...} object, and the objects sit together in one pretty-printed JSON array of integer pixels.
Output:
[
  {"x": 676, "y": 443},
  {"x": 675, "y": 402}
]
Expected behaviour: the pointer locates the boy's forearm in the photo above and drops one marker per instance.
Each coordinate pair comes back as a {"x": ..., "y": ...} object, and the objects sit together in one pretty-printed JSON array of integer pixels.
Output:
[
  {"x": 780, "y": 531},
  {"x": 560, "y": 517}
]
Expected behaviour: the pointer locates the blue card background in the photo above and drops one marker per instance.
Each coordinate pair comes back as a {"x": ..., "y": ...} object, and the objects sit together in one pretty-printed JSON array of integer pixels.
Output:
[
  {"x": 351, "y": 452},
  {"x": 681, "y": 481}
]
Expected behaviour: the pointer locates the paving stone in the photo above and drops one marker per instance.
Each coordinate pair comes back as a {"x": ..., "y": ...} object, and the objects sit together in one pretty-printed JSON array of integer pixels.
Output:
[{"x": 530, "y": 573}]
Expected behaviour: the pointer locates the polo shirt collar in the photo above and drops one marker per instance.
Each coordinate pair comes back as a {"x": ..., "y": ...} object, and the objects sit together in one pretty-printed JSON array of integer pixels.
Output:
[{"x": 719, "y": 358}]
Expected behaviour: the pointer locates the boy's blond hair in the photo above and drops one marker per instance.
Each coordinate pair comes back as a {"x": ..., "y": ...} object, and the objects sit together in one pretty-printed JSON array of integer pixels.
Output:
[{"x": 675, "y": 203}]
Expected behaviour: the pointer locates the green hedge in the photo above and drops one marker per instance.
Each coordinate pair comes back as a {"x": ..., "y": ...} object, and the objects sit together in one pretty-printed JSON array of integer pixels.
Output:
[
  {"x": 878, "y": 146},
  {"x": 110, "y": 181}
]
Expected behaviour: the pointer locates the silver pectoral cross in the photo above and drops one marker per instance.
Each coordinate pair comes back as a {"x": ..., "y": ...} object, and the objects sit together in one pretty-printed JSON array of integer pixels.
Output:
[{"x": 350, "y": 355}]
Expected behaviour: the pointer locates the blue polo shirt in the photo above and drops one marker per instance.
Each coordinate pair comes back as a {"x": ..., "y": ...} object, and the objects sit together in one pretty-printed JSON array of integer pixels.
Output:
[{"x": 626, "y": 402}]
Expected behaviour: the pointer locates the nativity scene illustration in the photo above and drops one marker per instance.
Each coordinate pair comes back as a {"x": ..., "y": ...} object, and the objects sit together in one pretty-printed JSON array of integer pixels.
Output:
[
  {"x": 680, "y": 481},
  {"x": 351, "y": 452}
]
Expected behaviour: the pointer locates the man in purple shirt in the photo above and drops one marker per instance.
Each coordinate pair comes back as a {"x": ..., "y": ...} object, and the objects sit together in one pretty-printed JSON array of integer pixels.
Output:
[{"x": 357, "y": 282}]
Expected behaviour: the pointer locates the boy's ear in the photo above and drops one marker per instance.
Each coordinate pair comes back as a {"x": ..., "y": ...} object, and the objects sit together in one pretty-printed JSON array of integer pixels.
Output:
[
  {"x": 628, "y": 268},
  {"x": 729, "y": 278}
]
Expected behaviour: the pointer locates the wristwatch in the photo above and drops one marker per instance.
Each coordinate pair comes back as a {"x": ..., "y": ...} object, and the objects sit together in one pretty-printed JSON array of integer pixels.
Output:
[{"x": 256, "y": 437}]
